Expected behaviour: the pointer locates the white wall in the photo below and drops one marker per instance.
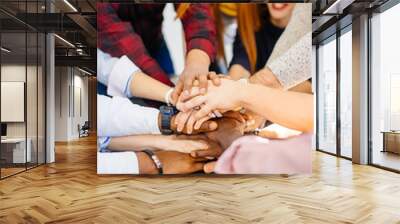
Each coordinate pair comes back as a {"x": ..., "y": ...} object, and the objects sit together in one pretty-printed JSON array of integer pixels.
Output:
[
  {"x": 174, "y": 37},
  {"x": 12, "y": 73},
  {"x": 70, "y": 84},
  {"x": 33, "y": 127}
]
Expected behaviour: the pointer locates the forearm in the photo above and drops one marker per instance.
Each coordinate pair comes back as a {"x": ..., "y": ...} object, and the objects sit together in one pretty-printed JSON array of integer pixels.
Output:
[
  {"x": 199, "y": 57},
  {"x": 144, "y": 86},
  {"x": 237, "y": 72},
  {"x": 134, "y": 142},
  {"x": 290, "y": 109}
]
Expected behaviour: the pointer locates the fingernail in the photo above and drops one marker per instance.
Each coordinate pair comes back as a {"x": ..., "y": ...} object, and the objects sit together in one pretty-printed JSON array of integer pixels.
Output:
[
  {"x": 186, "y": 93},
  {"x": 211, "y": 126},
  {"x": 202, "y": 90}
]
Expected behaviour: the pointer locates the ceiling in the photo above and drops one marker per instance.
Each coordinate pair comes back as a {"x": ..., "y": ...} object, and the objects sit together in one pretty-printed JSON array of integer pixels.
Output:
[
  {"x": 76, "y": 25},
  {"x": 75, "y": 21}
]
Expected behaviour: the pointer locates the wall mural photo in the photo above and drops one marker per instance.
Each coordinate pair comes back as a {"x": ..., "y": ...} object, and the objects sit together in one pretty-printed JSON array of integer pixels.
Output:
[{"x": 204, "y": 88}]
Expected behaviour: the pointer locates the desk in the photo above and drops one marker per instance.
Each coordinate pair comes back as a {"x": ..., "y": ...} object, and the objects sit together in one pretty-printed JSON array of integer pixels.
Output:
[
  {"x": 391, "y": 141},
  {"x": 13, "y": 150}
]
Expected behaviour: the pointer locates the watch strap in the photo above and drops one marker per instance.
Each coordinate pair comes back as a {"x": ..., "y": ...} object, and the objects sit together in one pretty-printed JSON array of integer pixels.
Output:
[
  {"x": 166, "y": 116},
  {"x": 155, "y": 160}
]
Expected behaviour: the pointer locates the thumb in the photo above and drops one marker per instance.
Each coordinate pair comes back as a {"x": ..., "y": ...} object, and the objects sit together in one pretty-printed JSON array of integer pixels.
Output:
[{"x": 209, "y": 167}]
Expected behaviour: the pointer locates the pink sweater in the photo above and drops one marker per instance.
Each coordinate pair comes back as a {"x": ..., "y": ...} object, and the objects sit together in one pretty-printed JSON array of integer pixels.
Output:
[{"x": 257, "y": 155}]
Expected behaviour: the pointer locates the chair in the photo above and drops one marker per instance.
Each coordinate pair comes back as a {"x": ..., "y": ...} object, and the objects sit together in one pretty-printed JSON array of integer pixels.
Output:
[{"x": 84, "y": 130}]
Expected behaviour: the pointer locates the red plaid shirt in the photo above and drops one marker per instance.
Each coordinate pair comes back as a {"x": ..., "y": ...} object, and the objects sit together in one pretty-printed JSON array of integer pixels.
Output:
[{"x": 135, "y": 30}]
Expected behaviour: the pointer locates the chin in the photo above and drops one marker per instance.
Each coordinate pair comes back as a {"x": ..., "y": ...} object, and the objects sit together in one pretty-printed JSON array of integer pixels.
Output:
[{"x": 280, "y": 10}]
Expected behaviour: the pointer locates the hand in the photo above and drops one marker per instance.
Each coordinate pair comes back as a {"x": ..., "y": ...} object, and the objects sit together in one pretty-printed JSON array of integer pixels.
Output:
[
  {"x": 196, "y": 69},
  {"x": 204, "y": 124},
  {"x": 229, "y": 129},
  {"x": 253, "y": 121},
  {"x": 266, "y": 78},
  {"x": 223, "y": 97},
  {"x": 176, "y": 124},
  {"x": 214, "y": 151},
  {"x": 209, "y": 167},
  {"x": 173, "y": 163}
]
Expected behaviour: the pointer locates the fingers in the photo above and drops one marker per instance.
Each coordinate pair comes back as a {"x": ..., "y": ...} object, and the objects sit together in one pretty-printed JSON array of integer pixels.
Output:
[
  {"x": 192, "y": 103},
  {"x": 209, "y": 167},
  {"x": 201, "y": 125},
  {"x": 235, "y": 115},
  {"x": 203, "y": 112},
  {"x": 199, "y": 159},
  {"x": 188, "y": 82},
  {"x": 214, "y": 78},
  {"x": 177, "y": 92},
  {"x": 180, "y": 120},
  {"x": 190, "y": 124},
  {"x": 203, "y": 153},
  {"x": 195, "y": 91},
  {"x": 203, "y": 83}
]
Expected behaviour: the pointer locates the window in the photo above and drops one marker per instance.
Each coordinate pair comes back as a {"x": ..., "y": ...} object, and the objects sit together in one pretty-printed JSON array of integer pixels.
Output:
[
  {"x": 346, "y": 92},
  {"x": 385, "y": 89},
  {"x": 327, "y": 96},
  {"x": 22, "y": 77}
]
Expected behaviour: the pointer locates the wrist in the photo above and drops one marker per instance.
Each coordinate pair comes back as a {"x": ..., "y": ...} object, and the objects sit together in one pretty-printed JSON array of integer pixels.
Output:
[
  {"x": 241, "y": 97},
  {"x": 146, "y": 165},
  {"x": 196, "y": 57},
  {"x": 159, "y": 121}
]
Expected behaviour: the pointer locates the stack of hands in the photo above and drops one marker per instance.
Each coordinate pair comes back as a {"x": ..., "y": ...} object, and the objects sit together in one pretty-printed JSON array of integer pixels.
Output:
[{"x": 204, "y": 129}]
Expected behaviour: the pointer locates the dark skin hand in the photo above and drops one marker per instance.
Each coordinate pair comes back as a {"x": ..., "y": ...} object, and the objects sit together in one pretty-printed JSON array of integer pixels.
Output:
[
  {"x": 214, "y": 150},
  {"x": 173, "y": 163},
  {"x": 230, "y": 127}
]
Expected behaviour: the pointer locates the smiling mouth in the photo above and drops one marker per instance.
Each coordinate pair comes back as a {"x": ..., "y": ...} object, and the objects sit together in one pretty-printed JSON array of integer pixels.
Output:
[{"x": 279, "y": 6}]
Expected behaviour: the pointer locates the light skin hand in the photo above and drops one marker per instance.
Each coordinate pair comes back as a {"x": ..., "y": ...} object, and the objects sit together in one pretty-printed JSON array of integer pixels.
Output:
[
  {"x": 237, "y": 72},
  {"x": 205, "y": 127},
  {"x": 266, "y": 77},
  {"x": 196, "y": 68},
  {"x": 220, "y": 98},
  {"x": 223, "y": 97}
]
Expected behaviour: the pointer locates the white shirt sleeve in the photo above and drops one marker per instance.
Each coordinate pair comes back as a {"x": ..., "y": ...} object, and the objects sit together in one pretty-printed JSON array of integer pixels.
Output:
[
  {"x": 117, "y": 163},
  {"x": 115, "y": 73},
  {"x": 118, "y": 116}
]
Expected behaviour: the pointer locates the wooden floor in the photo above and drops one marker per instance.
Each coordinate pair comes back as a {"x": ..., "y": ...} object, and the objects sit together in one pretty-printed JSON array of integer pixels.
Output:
[{"x": 69, "y": 191}]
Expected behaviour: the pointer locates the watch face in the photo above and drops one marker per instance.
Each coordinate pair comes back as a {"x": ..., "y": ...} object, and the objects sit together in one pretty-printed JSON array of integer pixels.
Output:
[{"x": 167, "y": 110}]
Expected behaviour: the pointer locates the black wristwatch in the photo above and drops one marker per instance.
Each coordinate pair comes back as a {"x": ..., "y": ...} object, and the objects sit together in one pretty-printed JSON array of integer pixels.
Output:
[{"x": 166, "y": 115}]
